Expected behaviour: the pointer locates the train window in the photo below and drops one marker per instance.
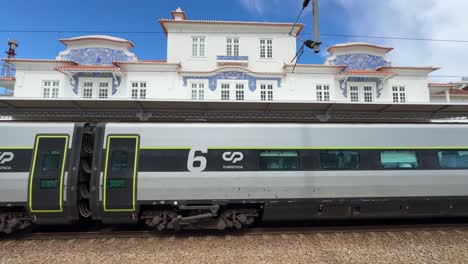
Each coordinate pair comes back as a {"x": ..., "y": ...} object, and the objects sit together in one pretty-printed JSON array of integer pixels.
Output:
[
  {"x": 453, "y": 159},
  {"x": 51, "y": 161},
  {"x": 279, "y": 160},
  {"x": 117, "y": 183},
  {"x": 48, "y": 184},
  {"x": 336, "y": 159},
  {"x": 399, "y": 159},
  {"x": 119, "y": 160}
]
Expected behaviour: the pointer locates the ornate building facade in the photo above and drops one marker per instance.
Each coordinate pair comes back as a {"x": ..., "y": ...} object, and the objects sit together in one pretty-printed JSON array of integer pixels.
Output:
[{"x": 207, "y": 61}]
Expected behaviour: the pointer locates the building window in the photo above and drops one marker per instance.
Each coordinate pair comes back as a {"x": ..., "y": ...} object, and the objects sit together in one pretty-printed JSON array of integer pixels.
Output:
[
  {"x": 87, "y": 90},
  {"x": 138, "y": 90},
  {"x": 323, "y": 93},
  {"x": 198, "y": 46},
  {"x": 399, "y": 94},
  {"x": 266, "y": 92},
  {"x": 198, "y": 91},
  {"x": 50, "y": 89},
  {"x": 368, "y": 94},
  {"x": 225, "y": 93},
  {"x": 239, "y": 92},
  {"x": 354, "y": 93},
  {"x": 399, "y": 159},
  {"x": 103, "y": 90},
  {"x": 232, "y": 46},
  {"x": 266, "y": 48}
]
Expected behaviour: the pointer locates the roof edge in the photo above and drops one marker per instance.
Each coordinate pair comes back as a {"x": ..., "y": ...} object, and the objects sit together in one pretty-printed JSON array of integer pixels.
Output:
[{"x": 162, "y": 22}]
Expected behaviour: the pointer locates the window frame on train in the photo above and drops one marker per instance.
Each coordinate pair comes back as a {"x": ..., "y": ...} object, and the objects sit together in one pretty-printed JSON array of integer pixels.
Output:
[{"x": 262, "y": 155}]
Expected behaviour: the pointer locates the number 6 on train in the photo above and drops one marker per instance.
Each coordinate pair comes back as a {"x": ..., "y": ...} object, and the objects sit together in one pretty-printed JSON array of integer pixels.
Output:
[{"x": 192, "y": 159}]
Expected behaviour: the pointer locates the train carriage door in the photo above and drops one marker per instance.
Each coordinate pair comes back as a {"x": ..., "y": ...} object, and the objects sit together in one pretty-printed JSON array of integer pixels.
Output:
[
  {"x": 46, "y": 178},
  {"x": 120, "y": 172}
]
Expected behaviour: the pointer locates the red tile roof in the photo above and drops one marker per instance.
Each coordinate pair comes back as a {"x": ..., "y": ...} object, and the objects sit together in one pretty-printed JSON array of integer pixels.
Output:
[
  {"x": 145, "y": 62},
  {"x": 88, "y": 68},
  {"x": 430, "y": 68},
  {"x": 163, "y": 22},
  {"x": 7, "y": 78},
  {"x": 369, "y": 72},
  {"x": 314, "y": 66},
  {"x": 456, "y": 92},
  {"x": 442, "y": 85}
]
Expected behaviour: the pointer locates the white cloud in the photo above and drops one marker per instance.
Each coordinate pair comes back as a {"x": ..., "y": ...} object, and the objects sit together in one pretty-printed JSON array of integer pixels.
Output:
[
  {"x": 262, "y": 7},
  {"x": 428, "y": 19}
]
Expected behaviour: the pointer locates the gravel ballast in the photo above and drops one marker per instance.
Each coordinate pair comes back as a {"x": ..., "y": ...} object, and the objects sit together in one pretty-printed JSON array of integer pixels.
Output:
[{"x": 369, "y": 247}]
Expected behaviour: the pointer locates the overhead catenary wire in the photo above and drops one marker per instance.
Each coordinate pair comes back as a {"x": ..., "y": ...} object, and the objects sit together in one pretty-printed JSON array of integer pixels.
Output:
[{"x": 336, "y": 35}]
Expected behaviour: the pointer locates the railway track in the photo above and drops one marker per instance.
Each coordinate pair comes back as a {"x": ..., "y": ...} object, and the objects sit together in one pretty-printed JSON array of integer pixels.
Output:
[{"x": 110, "y": 233}]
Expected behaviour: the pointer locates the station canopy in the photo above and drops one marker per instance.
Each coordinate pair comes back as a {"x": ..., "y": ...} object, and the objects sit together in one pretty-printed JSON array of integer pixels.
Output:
[{"x": 222, "y": 111}]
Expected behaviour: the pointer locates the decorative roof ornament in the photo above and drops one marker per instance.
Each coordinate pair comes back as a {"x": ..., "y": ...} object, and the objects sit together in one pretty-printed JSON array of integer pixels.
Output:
[{"x": 179, "y": 14}]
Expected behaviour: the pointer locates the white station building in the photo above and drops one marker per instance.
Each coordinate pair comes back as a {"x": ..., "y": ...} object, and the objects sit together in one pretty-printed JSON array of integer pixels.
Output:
[{"x": 230, "y": 60}]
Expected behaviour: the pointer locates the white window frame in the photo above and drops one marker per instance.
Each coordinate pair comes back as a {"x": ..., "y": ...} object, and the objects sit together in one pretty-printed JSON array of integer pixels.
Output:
[
  {"x": 323, "y": 92},
  {"x": 103, "y": 90},
  {"x": 95, "y": 90},
  {"x": 87, "y": 90},
  {"x": 368, "y": 92},
  {"x": 198, "y": 91},
  {"x": 199, "y": 46},
  {"x": 266, "y": 48},
  {"x": 225, "y": 91},
  {"x": 232, "y": 46},
  {"x": 399, "y": 94},
  {"x": 354, "y": 93},
  {"x": 266, "y": 92},
  {"x": 240, "y": 92},
  {"x": 50, "y": 89},
  {"x": 364, "y": 93},
  {"x": 138, "y": 90}
]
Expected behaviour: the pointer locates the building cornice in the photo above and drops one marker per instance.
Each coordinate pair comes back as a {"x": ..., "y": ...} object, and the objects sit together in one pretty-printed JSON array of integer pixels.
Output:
[
  {"x": 67, "y": 41},
  {"x": 230, "y": 68},
  {"x": 441, "y": 85},
  {"x": 163, "y": 23},
  {"x": 358, "y": 44}
]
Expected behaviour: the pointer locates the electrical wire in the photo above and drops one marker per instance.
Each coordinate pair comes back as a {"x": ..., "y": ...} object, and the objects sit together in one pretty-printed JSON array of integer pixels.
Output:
[{"x": 240, "y": 33}]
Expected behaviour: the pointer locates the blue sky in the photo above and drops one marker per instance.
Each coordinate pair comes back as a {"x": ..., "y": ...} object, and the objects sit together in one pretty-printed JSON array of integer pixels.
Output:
[
  {"x": 140, "y": 15},
  {"x": 400, "y": 18}
]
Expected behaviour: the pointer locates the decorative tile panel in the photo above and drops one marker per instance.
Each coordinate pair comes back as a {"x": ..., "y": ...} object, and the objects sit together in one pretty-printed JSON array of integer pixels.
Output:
[
  {"x": 360, "y": 61},
  {"x": 96, "y": 56},
  {"x": 232, "y": 75}
]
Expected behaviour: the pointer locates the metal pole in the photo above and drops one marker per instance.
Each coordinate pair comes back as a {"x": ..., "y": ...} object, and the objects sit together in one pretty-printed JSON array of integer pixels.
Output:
[{"x": 316, "y": 26}]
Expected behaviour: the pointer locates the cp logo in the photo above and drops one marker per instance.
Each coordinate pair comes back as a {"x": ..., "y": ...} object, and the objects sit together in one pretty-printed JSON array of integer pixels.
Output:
[
  {"x": 233, "y": 157},
  {"x": 6, "y": 157}
]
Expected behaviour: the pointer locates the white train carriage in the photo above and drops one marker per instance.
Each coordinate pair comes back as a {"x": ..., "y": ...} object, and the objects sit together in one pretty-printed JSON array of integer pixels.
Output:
[{"x": 202, "y": 175}]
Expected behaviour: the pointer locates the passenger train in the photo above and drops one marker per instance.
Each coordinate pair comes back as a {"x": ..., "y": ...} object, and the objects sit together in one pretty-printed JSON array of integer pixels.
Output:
[{"x": 227, "y": 176}]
